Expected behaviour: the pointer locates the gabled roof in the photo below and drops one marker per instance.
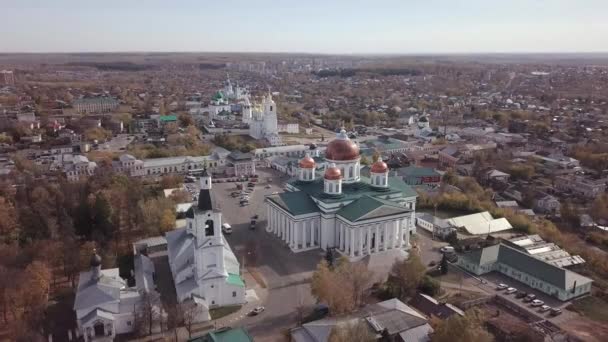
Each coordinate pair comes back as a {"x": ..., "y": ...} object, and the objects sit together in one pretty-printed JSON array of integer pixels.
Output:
[
  {"x": 368, "y": 207},
  {"x": 554, "y": 275},
  {"x": 296, "y": 203},
  {"x": 92, "y": 293}
]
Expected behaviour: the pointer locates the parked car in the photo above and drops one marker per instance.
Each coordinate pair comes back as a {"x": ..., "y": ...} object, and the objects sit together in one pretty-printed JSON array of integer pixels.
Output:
[
  {"x": 226, "y": 228},
  {"x": 253, "y": 224},
  {"x": 544, "y": 308},
  {"x": 447, "y": 249},
  {"x": 537, "y": 302},
  {"x": 521, "y": 294},
  {"x": 511, "y": 290},
  {"x": 556, "y": 312},
  {"x": 502, "y": 286},
  {"x": 268, "y": 186},
  {"x": 530, "y": 297},
  {"x": 256, "y": 311}
]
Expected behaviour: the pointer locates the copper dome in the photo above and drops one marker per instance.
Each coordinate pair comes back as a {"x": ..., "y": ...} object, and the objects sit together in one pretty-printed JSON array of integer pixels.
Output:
[
  {"x": 333, "y": 173},
  {"x": 307, "y": 163},
  {"x": 379, "y": 167},
  {"x": 342, "y": 148}
]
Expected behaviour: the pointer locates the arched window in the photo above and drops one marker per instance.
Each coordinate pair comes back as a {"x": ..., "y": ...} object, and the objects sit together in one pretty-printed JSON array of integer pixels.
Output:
[
  {"x": 331, "y": 187},
  {"x": 209, "y": 228},
  {"x": 350, "y": 172}
]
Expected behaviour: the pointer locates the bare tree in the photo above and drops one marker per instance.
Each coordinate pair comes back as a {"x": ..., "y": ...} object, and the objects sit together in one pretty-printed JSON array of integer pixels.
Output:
[
  {"x": 357, "y": 331},
  {"x": 190, "y": 312},
  {"x": 147, "y": 313}
]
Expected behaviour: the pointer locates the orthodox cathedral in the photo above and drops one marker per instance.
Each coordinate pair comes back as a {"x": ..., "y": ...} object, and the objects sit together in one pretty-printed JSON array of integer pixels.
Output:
[{"x": 331, "y": 205}]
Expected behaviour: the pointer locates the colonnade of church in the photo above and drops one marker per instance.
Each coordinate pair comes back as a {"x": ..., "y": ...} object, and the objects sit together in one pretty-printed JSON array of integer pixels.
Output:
[
  {"x": 299, "y": 235},
  {"x": 372, "y": 238}
]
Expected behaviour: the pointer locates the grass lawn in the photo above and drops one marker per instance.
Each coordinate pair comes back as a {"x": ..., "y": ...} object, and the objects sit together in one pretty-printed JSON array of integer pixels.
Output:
[
  {"x": 223, "y": 311},
  {"x": 592, "y": 307}
]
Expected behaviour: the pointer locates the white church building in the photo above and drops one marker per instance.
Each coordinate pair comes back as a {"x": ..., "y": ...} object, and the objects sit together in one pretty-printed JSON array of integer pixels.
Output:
[
  {"x": 262, "y": 119},
  {"x": 333, "y": 206},
  {"x": 204, "y": 268},
  {"x": 104, "y": 304}
]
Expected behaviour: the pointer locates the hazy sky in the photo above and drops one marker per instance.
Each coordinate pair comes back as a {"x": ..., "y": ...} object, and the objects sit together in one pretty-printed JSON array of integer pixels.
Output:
[{"x": 349, "y": 26}]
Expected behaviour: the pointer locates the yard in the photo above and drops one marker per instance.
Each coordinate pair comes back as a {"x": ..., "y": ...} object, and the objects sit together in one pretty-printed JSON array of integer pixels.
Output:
[{"x": 591, "y": 307}]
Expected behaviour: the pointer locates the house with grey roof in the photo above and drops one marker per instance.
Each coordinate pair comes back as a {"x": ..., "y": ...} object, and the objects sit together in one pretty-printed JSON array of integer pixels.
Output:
[
  {"x": 390, "y": 319},
  {"x": 104, "y": 304},
  {"x": 525, "y": 268}
]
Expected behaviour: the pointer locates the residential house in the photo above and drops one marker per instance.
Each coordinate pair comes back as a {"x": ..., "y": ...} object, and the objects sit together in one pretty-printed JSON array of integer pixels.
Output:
[
  {"x": 547, "y": 204},
  {"x": 413, "y": 175},
  {"x": 391, "y": 318},
  {"x": 434, "y": 225}
]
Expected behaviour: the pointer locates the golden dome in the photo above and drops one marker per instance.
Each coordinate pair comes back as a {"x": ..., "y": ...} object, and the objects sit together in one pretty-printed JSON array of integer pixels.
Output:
[
  {"x": 307, "y": 163},
  {"x": 333, "y": 173},
  {"x": 379, "y": 167},
  {"x": 342, "y": 148}
]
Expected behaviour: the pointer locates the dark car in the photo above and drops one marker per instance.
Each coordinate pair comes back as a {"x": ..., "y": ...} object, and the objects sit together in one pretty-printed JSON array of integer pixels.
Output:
[
  {"x": 556, "y": 312},
  {"x": 521, "y": 294},
  {"x": 252, "y": 225}
]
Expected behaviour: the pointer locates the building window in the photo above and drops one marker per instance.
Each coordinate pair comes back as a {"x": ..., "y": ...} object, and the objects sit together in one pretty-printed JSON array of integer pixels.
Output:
[
  {"x": 129, "y": 323},
  {"x": 233, "y": 293}
]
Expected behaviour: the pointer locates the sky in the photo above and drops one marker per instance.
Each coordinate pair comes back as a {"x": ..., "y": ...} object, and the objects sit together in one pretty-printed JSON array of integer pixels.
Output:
[{"x": 306, "y": 26}]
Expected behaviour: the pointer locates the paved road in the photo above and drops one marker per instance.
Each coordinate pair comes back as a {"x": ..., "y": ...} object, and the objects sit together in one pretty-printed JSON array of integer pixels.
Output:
[{"x": 285, "y": 274}]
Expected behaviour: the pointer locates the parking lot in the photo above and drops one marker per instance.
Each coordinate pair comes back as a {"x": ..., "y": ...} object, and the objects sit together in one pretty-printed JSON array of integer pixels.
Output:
[{"x": 285, "y": 274}]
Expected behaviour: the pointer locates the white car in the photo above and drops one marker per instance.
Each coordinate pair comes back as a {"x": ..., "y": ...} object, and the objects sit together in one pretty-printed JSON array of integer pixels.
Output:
[
  {"x": 226, "y": 228},
  {"x": 447, "y": 249},
  {"x": 511, "y": 290},
  {"x": 502, "y": 286},
  {"x": 537, "y": 302},
  {"x": 256, "y": 311},
  {"x": 544, "y": 308}
]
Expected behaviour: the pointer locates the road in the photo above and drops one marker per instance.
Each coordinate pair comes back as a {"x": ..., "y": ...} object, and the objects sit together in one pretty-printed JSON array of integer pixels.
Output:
[
  {"x": 117, "y": 143},
  {"x": 286, "y": 274}
]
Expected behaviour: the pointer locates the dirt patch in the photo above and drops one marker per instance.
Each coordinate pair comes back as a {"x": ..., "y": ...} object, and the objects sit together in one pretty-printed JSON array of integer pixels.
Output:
[{"x": 586, "y": 329}]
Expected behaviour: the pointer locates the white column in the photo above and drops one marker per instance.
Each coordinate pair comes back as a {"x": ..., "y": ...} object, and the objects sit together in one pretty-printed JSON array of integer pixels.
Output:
[
  {"x": 377, "y": 239},
  {"x": 369, "y": 240},
  {"x": 396, "y": 233},
  {"x": 400, "y": 243},
  {"x": 342, "y": 237},
  {"x": 360, "y": 251},
  {"x": 312, "y": 232},
  {"x": 296, "y": 228},
  {"x": 385, "y": 232},
  {"x": 352, "y": 242},
  {"x": 407, "y": 233},
  {"x": 268, "y": 219}
]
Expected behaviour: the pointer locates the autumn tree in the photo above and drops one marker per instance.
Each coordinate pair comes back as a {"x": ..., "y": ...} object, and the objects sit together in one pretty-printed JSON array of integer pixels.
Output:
[
  {"x": 9, "y": 225},
  {"x": 342, "y": 286},
  {"x": 461, "y": 329},
  {"x": 405, "y": 276},
  {"x": 357, "y": 331}
]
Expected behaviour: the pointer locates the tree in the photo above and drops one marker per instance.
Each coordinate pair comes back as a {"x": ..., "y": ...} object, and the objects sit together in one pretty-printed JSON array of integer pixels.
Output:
[
  {"x": 147, "y": 314},
  {"x": 329, "y": 257},
  {"x": 9, "y": 226},
  {"x": 405, "y": 277},
  {"x": 444, "y": 265},
  {"x": 341, "y": 287},
  {"x": 357, "y": 331},
  {"x": 461, "y": 329},
  {"x": 190, "y": 312},
  {"x": 429, "y": 286},
  {"x": 186, "y": 120}
]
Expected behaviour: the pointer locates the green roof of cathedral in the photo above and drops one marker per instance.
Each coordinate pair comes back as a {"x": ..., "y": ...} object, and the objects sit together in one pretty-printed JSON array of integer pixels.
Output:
[
  {"x": 368, "y": 207},
  {"x": 235, "y": 279},
  {"x": 355, "y": 190},
  {"x": 218, "y": 96},
  {"x": 297, "y": 203}
]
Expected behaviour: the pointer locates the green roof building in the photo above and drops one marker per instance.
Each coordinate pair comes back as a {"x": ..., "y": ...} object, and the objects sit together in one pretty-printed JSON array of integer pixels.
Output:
[
  {"x": 332, "y": 205},
  {"x": 525, "y": 268},
  {"x": 225, "y": 335}
]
